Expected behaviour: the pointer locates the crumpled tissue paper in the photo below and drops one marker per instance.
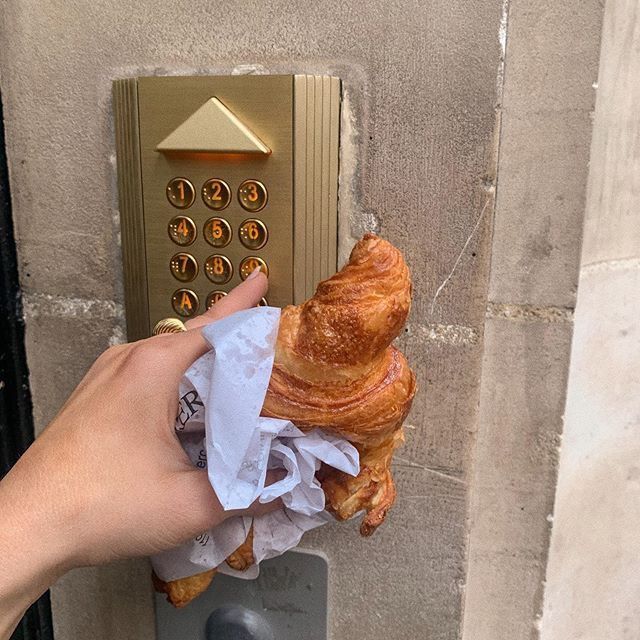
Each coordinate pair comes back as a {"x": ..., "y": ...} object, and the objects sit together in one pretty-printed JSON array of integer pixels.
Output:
[{"x": 220, "y": 428}]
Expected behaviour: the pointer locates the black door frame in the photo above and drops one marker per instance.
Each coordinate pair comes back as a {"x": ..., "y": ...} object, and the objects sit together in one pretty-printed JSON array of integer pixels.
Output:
[{"x": 16, "y": 416}]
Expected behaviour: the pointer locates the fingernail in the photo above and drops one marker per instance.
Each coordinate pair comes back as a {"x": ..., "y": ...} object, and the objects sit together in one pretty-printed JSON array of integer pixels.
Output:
[{"x": 254, "y": 273}]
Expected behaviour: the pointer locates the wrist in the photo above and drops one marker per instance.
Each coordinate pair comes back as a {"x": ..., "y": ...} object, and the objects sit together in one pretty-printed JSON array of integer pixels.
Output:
[{"x": 31, "y": 547}]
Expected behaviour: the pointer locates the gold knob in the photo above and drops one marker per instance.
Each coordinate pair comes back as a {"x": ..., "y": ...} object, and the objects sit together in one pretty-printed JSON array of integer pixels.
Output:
[{"x": 168, "y": 325}]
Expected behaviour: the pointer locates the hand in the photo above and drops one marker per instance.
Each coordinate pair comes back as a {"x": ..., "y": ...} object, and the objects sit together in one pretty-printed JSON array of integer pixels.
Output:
[{"x": 108, "y": 478}]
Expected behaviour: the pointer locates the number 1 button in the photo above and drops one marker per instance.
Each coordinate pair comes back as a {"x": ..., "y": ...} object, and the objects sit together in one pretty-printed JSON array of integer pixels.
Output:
[{"x": 180, "y": 193}]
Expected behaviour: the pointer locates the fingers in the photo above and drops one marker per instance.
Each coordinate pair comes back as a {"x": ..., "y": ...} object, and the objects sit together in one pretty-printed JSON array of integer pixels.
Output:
[
  {"x": 246, "y": 295},
  {"x": 203, "y": 507},
  {"x": 188, "y": 346}
]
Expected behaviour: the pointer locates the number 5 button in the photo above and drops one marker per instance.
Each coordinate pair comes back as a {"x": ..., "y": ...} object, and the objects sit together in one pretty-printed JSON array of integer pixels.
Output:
[
  {"x": 217, "y": 232},
  {"x": 253, "y": 234}
]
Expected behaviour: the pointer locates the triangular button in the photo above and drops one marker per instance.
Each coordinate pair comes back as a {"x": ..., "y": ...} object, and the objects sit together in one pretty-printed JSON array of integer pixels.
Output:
[{"x": 213, "y": 128}]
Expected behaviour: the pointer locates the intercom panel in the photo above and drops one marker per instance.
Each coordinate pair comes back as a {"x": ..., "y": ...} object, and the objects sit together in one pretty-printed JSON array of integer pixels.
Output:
[{"x": 220, "y": 175}]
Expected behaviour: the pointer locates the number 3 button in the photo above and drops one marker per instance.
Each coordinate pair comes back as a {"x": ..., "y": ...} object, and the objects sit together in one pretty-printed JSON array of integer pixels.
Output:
[
  {"x": 217, "y": 232},
  {"x": 253, "y": 234},
  {"x": 252, "y": 195}
]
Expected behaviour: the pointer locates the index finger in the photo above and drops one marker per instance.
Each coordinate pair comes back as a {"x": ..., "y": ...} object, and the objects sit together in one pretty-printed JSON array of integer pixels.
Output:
[{"x": 189, "y": 345}]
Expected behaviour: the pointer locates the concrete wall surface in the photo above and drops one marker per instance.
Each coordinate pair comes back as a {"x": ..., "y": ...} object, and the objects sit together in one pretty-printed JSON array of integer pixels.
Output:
[
  {"x": 551, "y": 65},
  {"x": 418, "y": 165},
  {"x": 593, "y": 584}
]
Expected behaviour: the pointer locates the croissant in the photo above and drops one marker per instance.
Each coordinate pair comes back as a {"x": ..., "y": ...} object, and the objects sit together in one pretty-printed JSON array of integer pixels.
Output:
[{"x": 334, "y": 368}]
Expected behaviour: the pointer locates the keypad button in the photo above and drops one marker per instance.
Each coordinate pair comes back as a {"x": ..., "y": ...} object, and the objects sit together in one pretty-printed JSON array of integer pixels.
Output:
[
  {"x": 250, "y": 264},
  {"x": 180, "y": 193},
  {"x": 253, "y": 234},
  {"x": 182, "y": 230},
  {"x": 184, "y": 267},
  {"x": 213, "y": 297},
  {"x": 218, "y": 269},
  {"x": 252, "y": 195},
  {"x": 185, "y": 302},
  {"x": 216, "y": 194},
  {"x": 217, "y": 232}
]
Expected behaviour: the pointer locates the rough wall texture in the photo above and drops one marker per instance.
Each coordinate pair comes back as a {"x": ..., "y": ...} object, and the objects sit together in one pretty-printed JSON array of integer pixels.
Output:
[
  {"x": 551, "y": 63},
  {"x": 593, "y": 582},
  {"x": 418, "y": 166}
]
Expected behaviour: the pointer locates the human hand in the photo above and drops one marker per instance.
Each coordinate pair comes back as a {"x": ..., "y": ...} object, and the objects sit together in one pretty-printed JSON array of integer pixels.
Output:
[{"x": 108, "y": 478}]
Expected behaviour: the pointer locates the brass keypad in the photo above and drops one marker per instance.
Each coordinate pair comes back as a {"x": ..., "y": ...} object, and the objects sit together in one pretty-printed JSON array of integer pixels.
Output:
[
  {"x": 218, "y": 269},
  {"x": 214, "y": 296},
  {"x": 252, "y": 195},
  {"x": 217, "y": 232},
  {"x": 244, "y": 167},
  {"x": 250, "y": 264},
  {"x": 182, "y": 230},
  {"x": 216, "y": 194},
  {"x": 185, "y": 302},
  {"x": 253, "y": 234},
  {"x": 180, "y": 193},
  {"x": 184, "y": 267}
]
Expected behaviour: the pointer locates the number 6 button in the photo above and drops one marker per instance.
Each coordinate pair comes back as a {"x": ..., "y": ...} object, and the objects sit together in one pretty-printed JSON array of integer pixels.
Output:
[
  {"x": 217, "y": 232},
  {"x": 253, "y": 234}
]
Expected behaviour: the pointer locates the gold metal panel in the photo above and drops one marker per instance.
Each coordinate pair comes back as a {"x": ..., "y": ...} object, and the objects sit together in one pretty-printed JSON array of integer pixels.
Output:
[
  {"x": 316, "y": 139},
  {"x": 213, "y": 128},
  {"x": 266, "y": 102},
  {"x": 125, "y": 102},
  {"x": 295, "y": 117}
]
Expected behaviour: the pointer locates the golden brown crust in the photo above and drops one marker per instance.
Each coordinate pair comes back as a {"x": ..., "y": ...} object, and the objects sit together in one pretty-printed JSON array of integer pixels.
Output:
[
  {"x": 334, "y": 369},
  {"x": 181, "y": 592},
  {"x": 242, "y": 558}
]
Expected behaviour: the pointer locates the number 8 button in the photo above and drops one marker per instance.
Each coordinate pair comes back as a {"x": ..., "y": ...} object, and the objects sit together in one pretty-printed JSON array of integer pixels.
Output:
[
  {"x": 253, "y": 234},
  {"x": 217, "y": 232},
  {"x": 218, "y": 269}
]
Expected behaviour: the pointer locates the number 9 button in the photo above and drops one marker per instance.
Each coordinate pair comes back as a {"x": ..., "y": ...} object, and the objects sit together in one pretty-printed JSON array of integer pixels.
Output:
[
  {"x": 250, "y": 264},
  {"x": 217, "y": 232},
  {"x": 253, "y": 234}
]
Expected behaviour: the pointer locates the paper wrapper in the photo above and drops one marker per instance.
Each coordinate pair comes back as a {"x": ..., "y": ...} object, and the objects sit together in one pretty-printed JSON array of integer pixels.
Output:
[{"x": 220, "y": 428}]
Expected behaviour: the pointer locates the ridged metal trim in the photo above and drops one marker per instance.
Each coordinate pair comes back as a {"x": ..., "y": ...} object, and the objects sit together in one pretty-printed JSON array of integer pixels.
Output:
[
  {"x": 316, "y": 135},
  {"x": 125, "y": 107}
]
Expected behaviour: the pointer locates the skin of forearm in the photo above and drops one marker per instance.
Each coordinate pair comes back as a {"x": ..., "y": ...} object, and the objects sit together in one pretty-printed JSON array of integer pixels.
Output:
[{"x": 32, "y": 558}]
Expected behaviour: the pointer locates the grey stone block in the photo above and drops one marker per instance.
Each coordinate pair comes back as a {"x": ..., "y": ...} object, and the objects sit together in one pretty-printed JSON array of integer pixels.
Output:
[{"x": 522, "y": 400}]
